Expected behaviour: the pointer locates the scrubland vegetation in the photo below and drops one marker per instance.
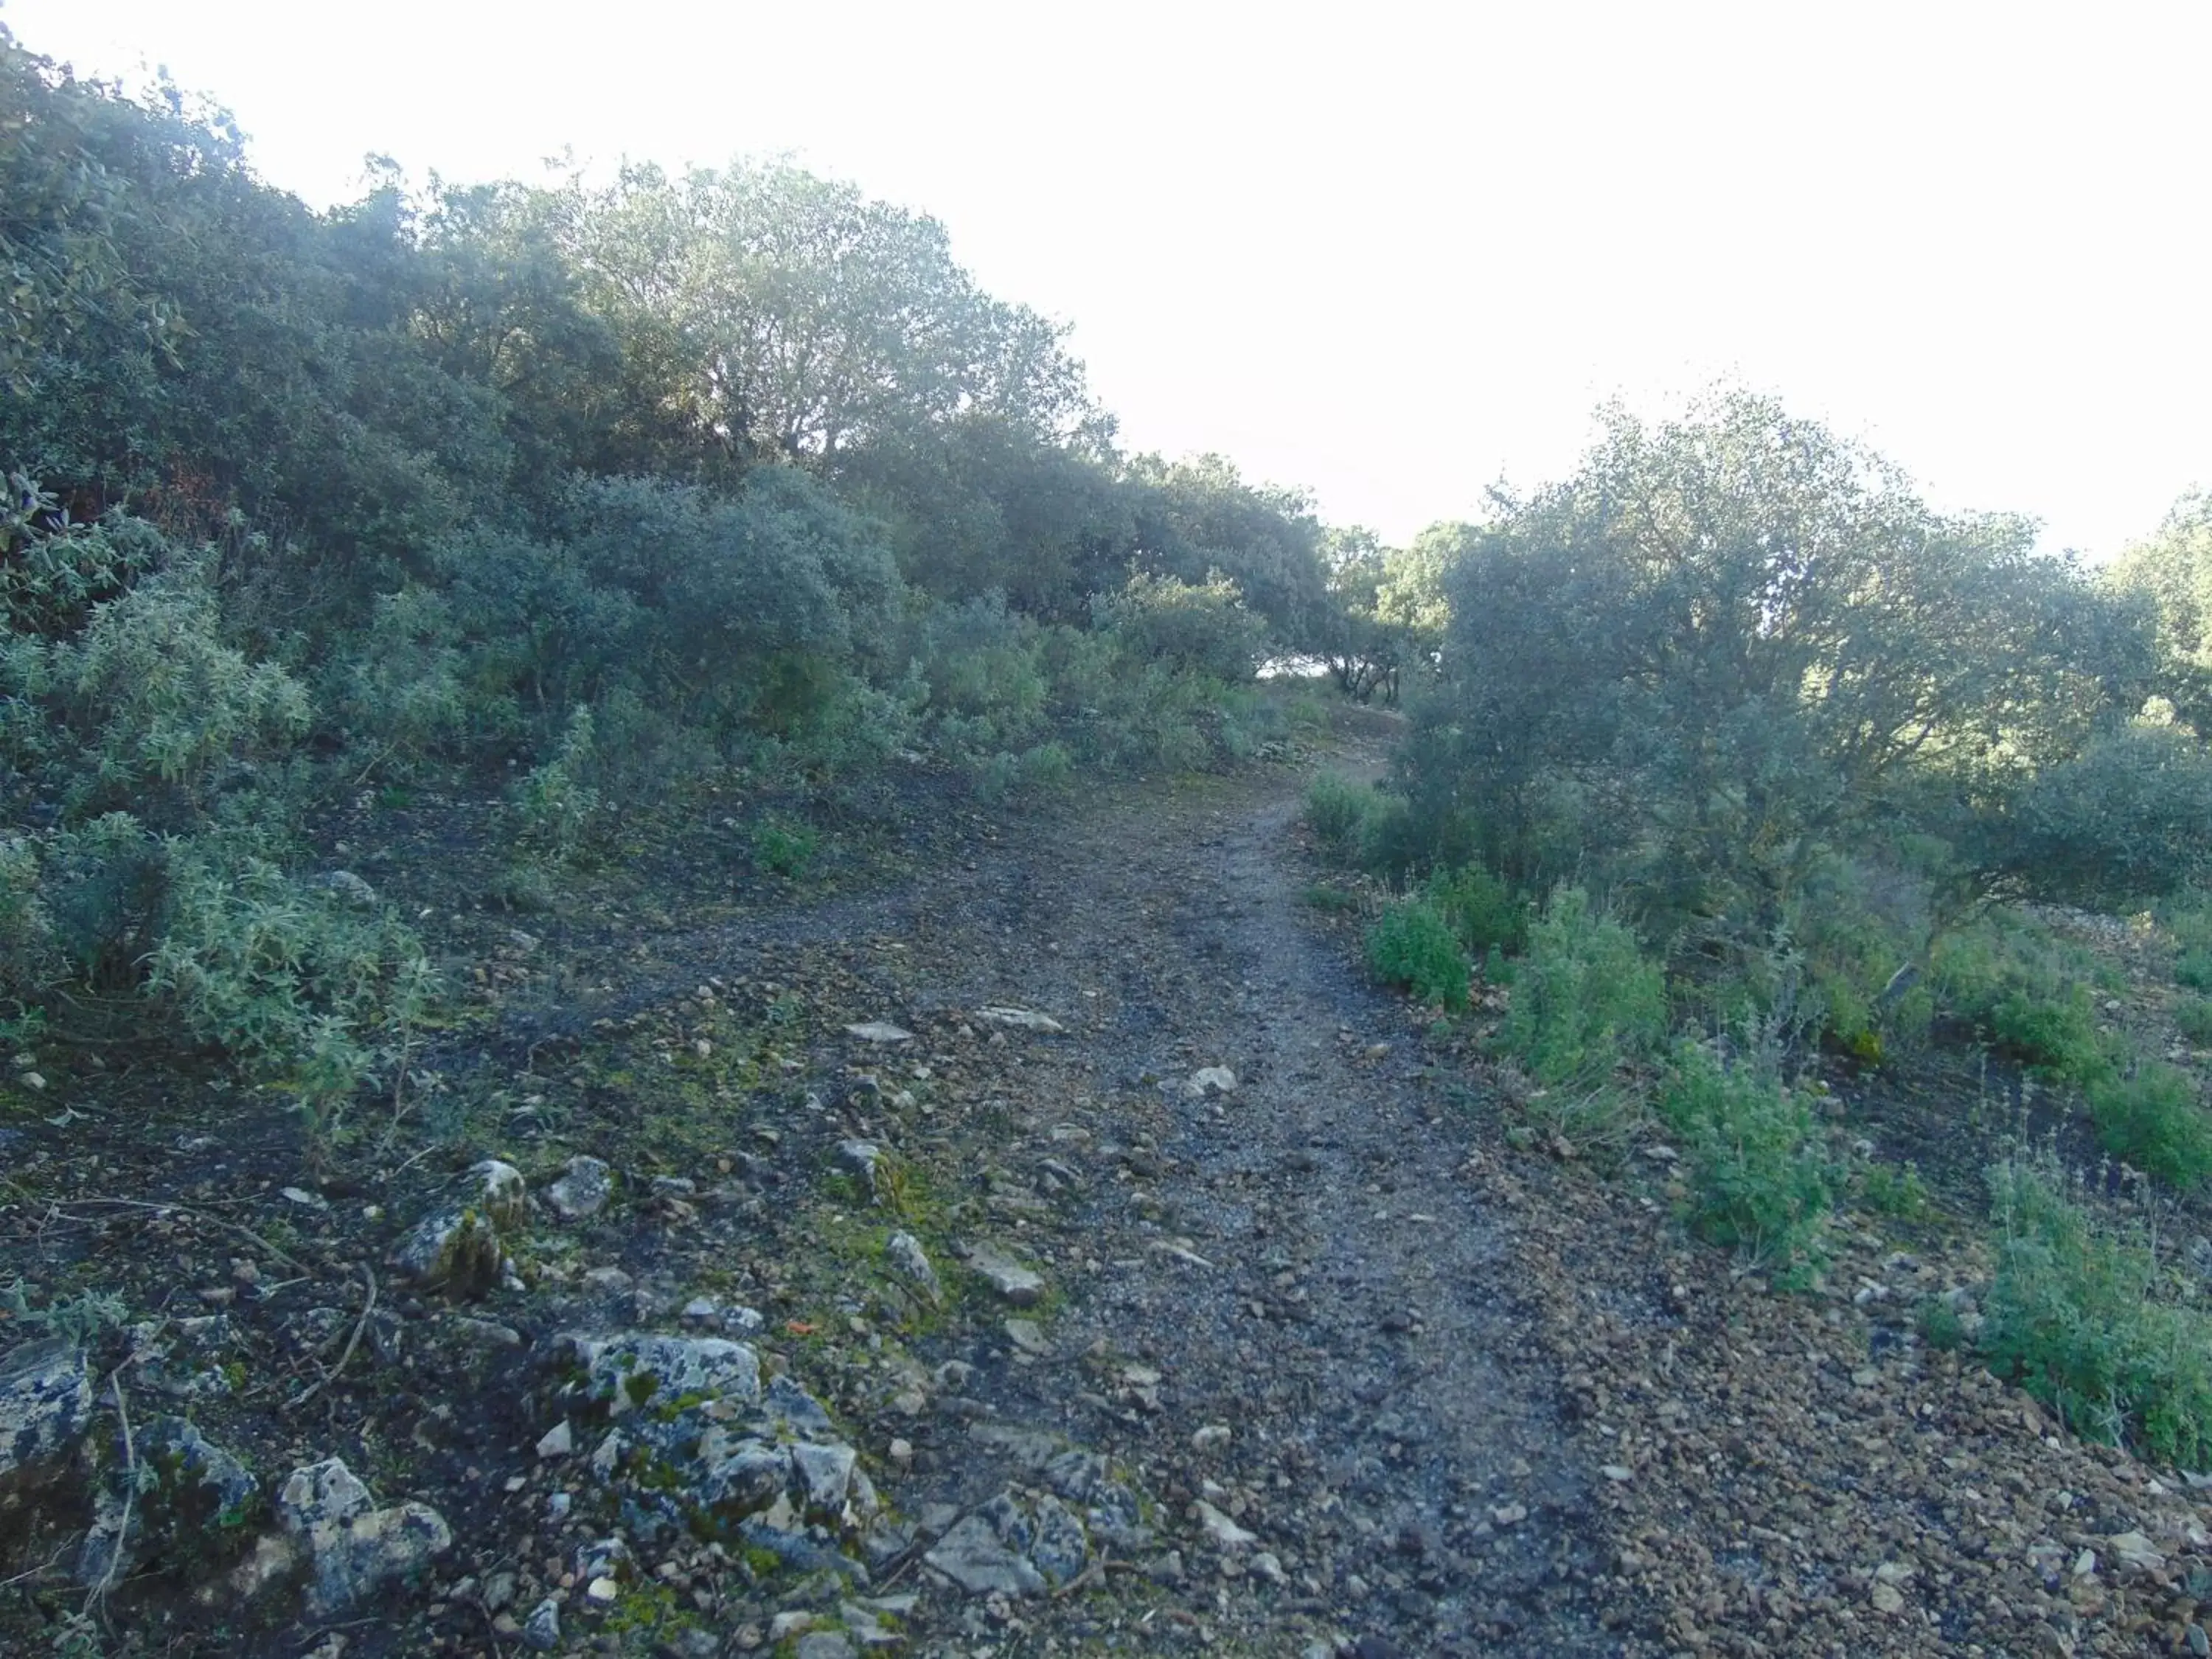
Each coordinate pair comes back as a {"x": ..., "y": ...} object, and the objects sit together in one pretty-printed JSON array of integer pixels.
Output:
[
  {"x": 1726, "y": 759},
  {"x": 1738, "y": 765},
  {"x": 581, "y": 495}
]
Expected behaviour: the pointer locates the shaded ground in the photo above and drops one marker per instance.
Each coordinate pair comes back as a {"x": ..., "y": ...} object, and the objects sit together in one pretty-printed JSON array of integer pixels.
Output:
[{"x": 1465, "y": 1398}]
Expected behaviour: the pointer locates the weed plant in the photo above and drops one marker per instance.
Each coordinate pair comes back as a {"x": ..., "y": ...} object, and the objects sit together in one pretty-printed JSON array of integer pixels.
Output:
[
  {"x": 1413, "y": 946},
  {"x": 1336, "y": 811},
  {"x": 1585, "y": 998},
  {"x": 2154, "y": 1119},
  {"x": 2193, "y": 1018},
  {"x": 2079, "y": 1316},
  {"x": 1758, "y": 1180}
]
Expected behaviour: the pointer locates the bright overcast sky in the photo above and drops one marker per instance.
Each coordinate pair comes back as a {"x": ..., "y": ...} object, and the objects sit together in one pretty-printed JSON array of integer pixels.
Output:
[{"x": 1392, "y": 252}]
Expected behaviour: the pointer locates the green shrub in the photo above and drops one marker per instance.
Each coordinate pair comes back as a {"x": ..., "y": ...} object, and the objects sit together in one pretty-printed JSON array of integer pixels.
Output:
[
  {"x": 1482, "y": 910},
  {"x": 1941, "y": 1326},
  {"x": 1584, "y": 997},
  {"x": 299, "y": 984},
  {"x": 781, "y": 849},
  {"x": 2193, "y": 1018},
  {"x": 2154, "y": 1121},
  {"x": 104, "y": 893},
  {"x": 1198, "y": 628},
  {"x": 1854, "y": 926},
  {"x": 1336, "y": 812},
  {"x": 1890, "y": 1190},
  {"x": 1405, "y": 837},
  {"x": 2193, "y": 968},
  {"x": 1758, "y": 1179},
  {"x": 1044, "y": 767},
  {"x": 557, "y": 805},
  {"x": 26, "y": 934},
  {"x": 2027, "y": 993},
  {"x": 2075, "y": 1315},
  {"x": 1412, "y": 946}
]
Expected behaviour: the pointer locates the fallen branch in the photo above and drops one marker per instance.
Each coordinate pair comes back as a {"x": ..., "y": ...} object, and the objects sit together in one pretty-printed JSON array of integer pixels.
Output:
[
  {"x": 352, "y": 1342},
  {"x": 97, "y": 1596}
]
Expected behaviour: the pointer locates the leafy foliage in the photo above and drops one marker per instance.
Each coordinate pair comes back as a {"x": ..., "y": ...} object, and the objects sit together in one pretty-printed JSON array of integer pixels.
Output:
[
  {"x": 2154, "y": 1120},
  {"x": 1336, "y": 811},
  {"x": 1731, "y": 643},
  {"x": 1411, "y": 945},
  {"x": 2077, "y": 1316},
  {"x": 1758, "y": 1178},
  {"x": 1585, "y": 998}
]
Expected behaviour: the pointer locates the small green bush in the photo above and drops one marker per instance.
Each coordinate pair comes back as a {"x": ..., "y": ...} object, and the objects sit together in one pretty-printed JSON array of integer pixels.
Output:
[
  {"x": 1889, "y": 1189},
  {"x": 785, "y": 849},
  {"x": 2193, "y": 968},
  {"x": 1199, "y": 628},
  {"x": 1482, "y": 910},
  {"x": 558, "y": 806},
  {"x": 1758, "y": 1178},
  {"x": 1044, "y": 767},
  {"x": 1584, "y": 997},
  {"x": 1336, "y": 812},
  {"x": 2193, "y": 1018},
  {"x": 2028, "y": 993},
  {"x": 2076, "y": 1316},
  {"x": 1412, "y": 946},
  {"x": 2154, "y": 1121},
  {"x": 299, "y": 984}
]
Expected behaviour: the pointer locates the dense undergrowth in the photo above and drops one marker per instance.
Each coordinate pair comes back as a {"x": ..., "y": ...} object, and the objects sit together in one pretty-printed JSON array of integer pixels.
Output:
[{"x": 579, "y": 498}]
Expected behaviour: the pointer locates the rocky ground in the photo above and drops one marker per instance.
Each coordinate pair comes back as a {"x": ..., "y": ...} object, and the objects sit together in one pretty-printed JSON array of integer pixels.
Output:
[{"x": 1061, "y": 1250}]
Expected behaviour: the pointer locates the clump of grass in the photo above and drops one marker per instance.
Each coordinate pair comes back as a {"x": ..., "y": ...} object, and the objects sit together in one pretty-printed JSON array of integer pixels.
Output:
[
  {"x": 1412, "y": 946},
  {"x": 2154, "y": 1121},
  {"x": 2030, "y": 995},
  {"x": 1758, "y": 1178},
  {"x": 1334, "y": 901},
  {"x": 1895, "y": 1190},
  {"x": 2076, "y": 1315}
]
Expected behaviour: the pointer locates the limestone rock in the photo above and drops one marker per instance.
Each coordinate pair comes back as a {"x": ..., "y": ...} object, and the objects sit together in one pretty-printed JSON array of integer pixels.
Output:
[
  {"x": 1210, "y": 1080},
  {"x": 986, "y": 1553},
  {"x": 45, "y": 1404},
  {"x": 879, "y": 1030},
  {"x": 355, "y": 1546},
  {"x": 542, "y": 1630},
  {"x": 904, "y": 1252},
  {"x": 1019, "y": 1019},
  {"x": 458, "y": 1247},
  {"x": 1220, "y": 1528},
  {"x": 1017, "y": 1284},
  {"x": 189, "y": 1491},
  {"x": 583, "y": 1191},
  {"x": 628, "y": 1371},
  {"x": 698, "y": 1442}
]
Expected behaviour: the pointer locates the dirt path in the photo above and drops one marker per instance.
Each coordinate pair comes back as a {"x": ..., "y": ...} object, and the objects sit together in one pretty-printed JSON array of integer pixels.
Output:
[{"x": 1294, "y": 1257}]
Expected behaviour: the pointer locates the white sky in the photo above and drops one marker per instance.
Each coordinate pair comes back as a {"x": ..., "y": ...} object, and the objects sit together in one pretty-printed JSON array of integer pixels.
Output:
[{"x": 1392, "y": 252}]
